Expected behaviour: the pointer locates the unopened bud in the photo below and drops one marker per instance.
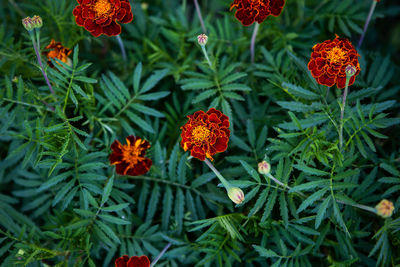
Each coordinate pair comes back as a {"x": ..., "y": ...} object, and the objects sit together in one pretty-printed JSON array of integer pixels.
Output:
[
  {"x": 37, "y": 21},
  {"x": 350, "y": 70},
  {"x": 236, "y": 195},
  {"x": 202, "y": 39},
  {"x": 385, "y": 208},
  {"x": 20, "y": 253},
  {"x": 28, "y": 23},
  {"x": 264, "y": 167}
]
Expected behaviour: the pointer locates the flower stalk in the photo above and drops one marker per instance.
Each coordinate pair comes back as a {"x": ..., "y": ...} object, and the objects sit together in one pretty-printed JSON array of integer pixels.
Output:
[
  {"x": 122, "y": 47},
  {"x": 371, "y": 12},
  {"x": 253, "y": 41},
  {"x": 350, "y": 71},
  {"x": 160, "y": 255},
  {"x": 234, "y": 193},
  {"x": 33, "y": 25},
  {"x": 196, "y": 4}
]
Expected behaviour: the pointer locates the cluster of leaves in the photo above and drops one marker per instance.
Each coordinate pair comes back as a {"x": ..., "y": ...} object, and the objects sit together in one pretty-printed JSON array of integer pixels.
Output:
[{"x": 62, "y": 204}]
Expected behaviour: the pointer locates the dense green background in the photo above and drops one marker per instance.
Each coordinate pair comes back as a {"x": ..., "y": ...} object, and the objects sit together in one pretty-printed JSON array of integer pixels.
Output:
[{"x": 61, "y": 203}]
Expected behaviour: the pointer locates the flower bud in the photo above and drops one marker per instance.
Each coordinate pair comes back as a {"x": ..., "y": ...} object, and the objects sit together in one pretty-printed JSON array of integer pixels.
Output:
[
  {"x": 202, "y": 39},
  {"x": 350, "y": 70},
  {"x": 20, "y": 253},
  {"x": 264, "y": 167},
  {"x": 37, "y": 21},
  {"x": 236, "y": 195},
  {"x": 28, "y": 23},
  {"x": 384, "y": 208}
]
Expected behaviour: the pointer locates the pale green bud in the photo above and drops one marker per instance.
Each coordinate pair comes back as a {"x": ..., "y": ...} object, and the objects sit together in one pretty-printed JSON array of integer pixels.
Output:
[{"x": 236, "y": 195}]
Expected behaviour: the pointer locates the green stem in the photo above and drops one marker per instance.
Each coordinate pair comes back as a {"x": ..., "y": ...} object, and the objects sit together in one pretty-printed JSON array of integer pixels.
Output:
[
  {"x": 203, "y": 47},
  {"x": 253, "y": 41},
  {"x": 346, "y": 90},
  {"x": 224, "y": 182}
]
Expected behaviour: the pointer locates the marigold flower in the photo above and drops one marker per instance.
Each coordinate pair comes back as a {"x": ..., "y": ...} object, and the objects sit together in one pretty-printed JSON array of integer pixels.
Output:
[
  {"x": 329, "y": 61},
  {"x": 206, "y": 133},
  {"x": 57, "y": 50},
  {"x": 134, "y": 261},
  {"x": 249, "y": 11},
  {"x": 101, "y": 16},
  {"x": 385, "y": 208},
  {"x": 236, "y": 195},
  {"x": 264, "y": 167},
  {"x": 130, "y": 158}
]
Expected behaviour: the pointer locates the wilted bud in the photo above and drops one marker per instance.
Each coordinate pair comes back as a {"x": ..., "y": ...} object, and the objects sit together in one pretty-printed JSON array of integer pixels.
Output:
[
  {"x": 28, "y": 23},
  {"x": 350, "y": 70},
  {"x": 202, "y": 39},
  {"x": 236, "y": 195},
  {"x": 37, "y": 21},
  {"x": 264, "y": 167},
  {"x": 384, "y": 208}
]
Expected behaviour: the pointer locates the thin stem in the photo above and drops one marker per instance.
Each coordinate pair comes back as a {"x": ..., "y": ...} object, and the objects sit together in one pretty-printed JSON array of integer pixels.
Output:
[
  {"x": 196, "y": 4},
  {"x": 224, "y": 182},
  {"x": 346, "y": 90},
  {"x": 253, "y": 41},
  {"x": 282, "y": 184},
  {"x": 122, "y": 47},
  {"x": 371, "y": 11},
  {"x": 327, "y": 94},
  {"x": 203, "y": 47},
  {"x": 40, "y": 62},
  {"x": 160, "y": 255}
]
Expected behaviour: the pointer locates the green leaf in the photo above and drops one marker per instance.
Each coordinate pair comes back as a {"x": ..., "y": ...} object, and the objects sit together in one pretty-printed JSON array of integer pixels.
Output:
[
  {"x": 136, "y": 76},
  {"x": 251, "y": 171},
  {"x": 106, "y": 229},
  {"x": 266, "y": 253},
  {"x": 113, "y": 219},
  {"x": 309, "y": 186},
  {"x": 107, "y": 190},
  {"x": 311, "y": 199},
  {"x": 310, "y": 170},
  {"x": 116, "y": 207},
  {"x": 153, "y": 80}
]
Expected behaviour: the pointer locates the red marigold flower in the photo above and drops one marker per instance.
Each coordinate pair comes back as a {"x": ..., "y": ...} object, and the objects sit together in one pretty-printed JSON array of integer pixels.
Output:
[
  {"x": 57, "y": 50},
  {"x": 101, "y": 16},
  {"x": 129, "y": 159},
  {"x": 249, "y": 11},
  {"x": 134, "y": 261},
  {"x": 329, "y": 61},
  {"x": 206, "y": 133}
]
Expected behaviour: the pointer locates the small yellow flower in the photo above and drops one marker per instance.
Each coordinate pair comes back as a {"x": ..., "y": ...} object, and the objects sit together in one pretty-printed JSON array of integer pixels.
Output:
[
  {"x": 385, "y": 208},
  {"x": 264, "y": 167},
  {"x": 236, "y": 195}
]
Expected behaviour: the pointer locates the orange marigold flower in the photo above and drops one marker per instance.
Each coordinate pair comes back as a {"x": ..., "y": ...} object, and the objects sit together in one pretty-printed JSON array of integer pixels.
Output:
[
  {"x": 249, "y": 11},
  {"x": 329, "y": 61},
  {"x": 101, "y": 16},
  {"x": 206, "y": 133},
  {"x": 57, "y": 50},
  {"x": 130, "y": 158},
  {"x": 134, "y": 261}
]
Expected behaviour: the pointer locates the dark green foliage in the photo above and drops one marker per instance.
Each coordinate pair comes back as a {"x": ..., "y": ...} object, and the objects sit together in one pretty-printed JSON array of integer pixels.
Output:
[{"x": 62, "y": 204}]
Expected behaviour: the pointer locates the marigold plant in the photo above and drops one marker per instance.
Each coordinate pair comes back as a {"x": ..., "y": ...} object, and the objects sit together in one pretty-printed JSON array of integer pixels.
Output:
[
  {"x": 329, "y": 60},
  {"x": 57, "y": 50},
  {"x": 250, "y": 11},
  {"x": 206, "y": 134},
  {"x": 130, "y": 158},
  {"x": 102, "y": 16}
]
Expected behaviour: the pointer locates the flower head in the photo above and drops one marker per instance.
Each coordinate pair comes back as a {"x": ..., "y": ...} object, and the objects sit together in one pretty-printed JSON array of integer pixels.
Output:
[
  {"x": 28, "y": 23},
  {"x": 101, "y": 16},
  {"x": 57, "y": 50},
  {"x": 236, "y": 195},
  {"x": 130, "y": 158},
  {"x": 37, "y": 21},
  {"x": 202, "y": 39},
  {"x": 206, "y": 133},
  {"x": 134, "y": 261},
  {"x": 250, "y": 11},
  {"x": 329, "y": 61},
  {"x": 264, "y": 167},
  {"x": 385, "y": 208}
]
